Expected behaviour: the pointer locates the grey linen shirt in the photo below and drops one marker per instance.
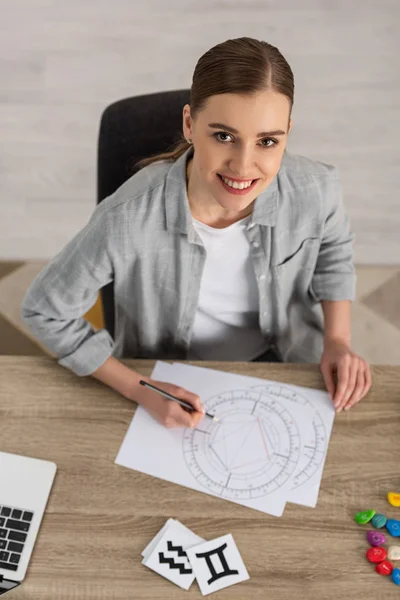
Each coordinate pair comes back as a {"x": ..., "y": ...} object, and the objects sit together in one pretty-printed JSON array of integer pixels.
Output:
[{"x": 142, "y": 238}]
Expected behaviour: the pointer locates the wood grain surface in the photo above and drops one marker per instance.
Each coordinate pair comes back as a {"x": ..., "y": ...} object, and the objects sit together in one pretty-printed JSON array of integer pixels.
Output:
[{"x": 100, "y": 516}]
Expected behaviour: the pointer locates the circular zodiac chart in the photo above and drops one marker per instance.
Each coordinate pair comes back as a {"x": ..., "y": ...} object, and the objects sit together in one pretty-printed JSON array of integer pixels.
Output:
[
  {"x": 313, "y": 432},
  {"x": 250, "y": 452}
]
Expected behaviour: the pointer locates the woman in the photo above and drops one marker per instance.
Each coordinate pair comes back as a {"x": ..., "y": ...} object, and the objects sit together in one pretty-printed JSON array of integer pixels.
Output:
[{"x": 226, "y": 248}]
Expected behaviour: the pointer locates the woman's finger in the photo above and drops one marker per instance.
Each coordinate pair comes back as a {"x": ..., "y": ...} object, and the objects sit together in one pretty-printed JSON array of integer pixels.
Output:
[
  {"x": 368, "y": 375},
  {"x": 343, "y": 375},
  {"x": 196, "y": 418},
  {"x": 191, "y": 398},
  {"x": 328, "y": 375},
  {"x": 358, "y": 392},
  {"x": 353, "y": 378},
  {"x": 185, "y": 418},
  {"x": 175, "y": 415},
  {"x": 367, "y": 385}
]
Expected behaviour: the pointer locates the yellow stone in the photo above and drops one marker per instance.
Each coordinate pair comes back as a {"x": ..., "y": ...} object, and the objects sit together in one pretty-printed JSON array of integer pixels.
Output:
[{"x": 394, "y": 498}]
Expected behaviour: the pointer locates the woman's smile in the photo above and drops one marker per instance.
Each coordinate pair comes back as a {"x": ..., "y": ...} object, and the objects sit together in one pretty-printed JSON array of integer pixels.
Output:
[{"x": 237, "y": 190}]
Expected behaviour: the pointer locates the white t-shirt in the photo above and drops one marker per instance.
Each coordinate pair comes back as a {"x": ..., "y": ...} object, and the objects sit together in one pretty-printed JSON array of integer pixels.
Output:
[{"x": 226, "y": 324}]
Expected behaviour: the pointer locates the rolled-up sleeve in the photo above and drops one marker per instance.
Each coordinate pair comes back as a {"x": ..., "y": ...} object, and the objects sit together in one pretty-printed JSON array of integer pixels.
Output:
[
  {"x": 54, "y": 305},
  {"x": 334, "y": 277}
]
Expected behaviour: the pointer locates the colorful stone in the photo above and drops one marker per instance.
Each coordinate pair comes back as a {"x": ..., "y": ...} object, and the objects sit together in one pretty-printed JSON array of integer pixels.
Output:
[
  {"x": 364, "y": 517},
  {"x": 393, "y": 527},
  {"x": 394, "y": 498},
  {"x": 378, "y": 521},
  {"x": 376, "y": 554},
  {"x": 396, "y": 576},
  {"x": 384, "y": 568},
  {"x": 394, "y": 553},
  {"x": 375, "y": 538}
]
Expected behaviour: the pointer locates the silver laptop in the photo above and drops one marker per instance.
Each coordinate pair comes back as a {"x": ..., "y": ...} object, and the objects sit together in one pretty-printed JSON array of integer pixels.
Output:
[{"x": 25, "y": 485}]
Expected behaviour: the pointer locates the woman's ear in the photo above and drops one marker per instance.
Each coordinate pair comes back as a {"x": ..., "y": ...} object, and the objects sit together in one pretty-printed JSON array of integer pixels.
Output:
[{"x": 187, "y": 122}]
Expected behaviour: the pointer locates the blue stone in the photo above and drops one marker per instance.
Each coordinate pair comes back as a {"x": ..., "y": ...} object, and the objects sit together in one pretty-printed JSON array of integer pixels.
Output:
[
  {"x": 378, "y": 521},
  {"x": 393, "y": 527},
  {"x": 396, "y": 576}
]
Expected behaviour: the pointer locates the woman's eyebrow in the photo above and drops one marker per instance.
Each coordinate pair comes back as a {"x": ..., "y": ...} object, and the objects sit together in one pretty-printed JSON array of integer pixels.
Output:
[{"x": 233, "y": 130}]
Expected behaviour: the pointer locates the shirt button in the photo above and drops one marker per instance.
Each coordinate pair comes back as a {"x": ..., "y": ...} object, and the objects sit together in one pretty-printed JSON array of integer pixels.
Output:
[
  {"x": 251, "y": 226},
  {"x": 255, "y": 244},
  {"x": 261, "y": 277},
  {"x": 264, "y": 314}
]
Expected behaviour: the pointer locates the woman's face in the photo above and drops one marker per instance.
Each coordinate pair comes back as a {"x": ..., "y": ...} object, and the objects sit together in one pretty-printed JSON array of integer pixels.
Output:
[{"x": 248, "y": 144}]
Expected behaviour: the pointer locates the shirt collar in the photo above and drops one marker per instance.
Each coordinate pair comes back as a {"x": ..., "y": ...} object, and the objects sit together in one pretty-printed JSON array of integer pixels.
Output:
[{"x": 178, "y": 216}]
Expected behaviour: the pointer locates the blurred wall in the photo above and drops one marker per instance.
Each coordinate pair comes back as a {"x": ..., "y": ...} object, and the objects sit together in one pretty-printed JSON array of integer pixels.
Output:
[{"x": 63, "y": 62}]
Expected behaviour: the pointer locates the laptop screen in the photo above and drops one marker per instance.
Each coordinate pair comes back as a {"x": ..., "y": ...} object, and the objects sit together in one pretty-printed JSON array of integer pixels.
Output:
[{"x": 6, "y": 585}]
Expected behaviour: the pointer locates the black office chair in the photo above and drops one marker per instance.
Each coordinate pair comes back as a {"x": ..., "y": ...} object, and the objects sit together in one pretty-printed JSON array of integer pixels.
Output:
[{"x": 130, "y": 130}]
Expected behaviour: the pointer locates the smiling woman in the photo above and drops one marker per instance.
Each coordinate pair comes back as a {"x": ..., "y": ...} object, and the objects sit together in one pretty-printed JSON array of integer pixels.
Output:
[
  {"x": 225, "y": 248},
  {"x": 242, "y": 88},
  {"x": 234, "y": 165}
]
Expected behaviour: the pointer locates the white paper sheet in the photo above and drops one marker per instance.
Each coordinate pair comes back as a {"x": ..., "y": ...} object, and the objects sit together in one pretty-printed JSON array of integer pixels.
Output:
[
  {"x": 268, "y": 447},
  {"x": 151, "y": 448},
  {"x": 312, "y": 410}
]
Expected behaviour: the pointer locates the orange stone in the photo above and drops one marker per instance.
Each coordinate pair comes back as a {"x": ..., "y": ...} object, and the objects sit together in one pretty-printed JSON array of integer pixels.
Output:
[{"x": 394, "y": 499}]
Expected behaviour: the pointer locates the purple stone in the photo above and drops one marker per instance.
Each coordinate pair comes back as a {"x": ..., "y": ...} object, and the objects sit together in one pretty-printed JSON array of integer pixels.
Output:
[{"x": 375, "y": 538}]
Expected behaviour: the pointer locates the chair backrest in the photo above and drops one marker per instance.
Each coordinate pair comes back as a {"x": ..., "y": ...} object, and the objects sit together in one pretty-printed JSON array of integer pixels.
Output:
[{"x": 132, "y": 129}]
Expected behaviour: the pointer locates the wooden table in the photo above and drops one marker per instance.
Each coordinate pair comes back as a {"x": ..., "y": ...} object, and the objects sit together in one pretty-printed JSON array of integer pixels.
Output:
[{"x": 100, "y": 515}]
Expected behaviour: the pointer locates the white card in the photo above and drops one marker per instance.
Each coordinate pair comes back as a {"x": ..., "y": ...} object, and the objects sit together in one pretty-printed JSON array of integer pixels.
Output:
[
  {"x": 169, "y": 558},
  {"x": 217, "y": 564},
  {"x": 177, "y": 525},
  {"x": 153, "y": 543}
]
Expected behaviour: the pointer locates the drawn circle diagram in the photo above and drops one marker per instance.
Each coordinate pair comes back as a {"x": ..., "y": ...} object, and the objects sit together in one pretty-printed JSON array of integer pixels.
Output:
[
  {"x": 313, "y": 436},
  {"x": 250, "y": 452}
]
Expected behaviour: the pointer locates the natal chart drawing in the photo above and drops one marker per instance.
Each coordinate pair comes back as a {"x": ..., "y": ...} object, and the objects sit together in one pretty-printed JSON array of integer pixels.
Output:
[
  {"x": 313, "y": 437},
  {"x": 250, "y": 452},
  {"x": 256, "y": 446}
]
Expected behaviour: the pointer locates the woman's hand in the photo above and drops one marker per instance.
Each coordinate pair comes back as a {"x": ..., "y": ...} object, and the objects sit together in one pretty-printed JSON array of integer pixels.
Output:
[
  {"x": 347, "y": 376},
  {"x": 167, "y": 412}
]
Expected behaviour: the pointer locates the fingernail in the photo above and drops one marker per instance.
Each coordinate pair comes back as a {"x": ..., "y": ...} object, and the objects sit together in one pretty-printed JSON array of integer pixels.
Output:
[{"x": 347, "y": 407}]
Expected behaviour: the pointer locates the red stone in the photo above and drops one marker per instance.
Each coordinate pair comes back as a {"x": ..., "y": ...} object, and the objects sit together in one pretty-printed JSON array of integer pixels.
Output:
[
  {"x": 376, "y": 554},
  {"x": 384, "y": 568}
]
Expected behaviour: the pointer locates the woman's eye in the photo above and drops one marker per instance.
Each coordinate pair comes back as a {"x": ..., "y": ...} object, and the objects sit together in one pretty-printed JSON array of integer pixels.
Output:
[
  {"x": 270, "y": 140},
  {"x": 222, "y": 133}
]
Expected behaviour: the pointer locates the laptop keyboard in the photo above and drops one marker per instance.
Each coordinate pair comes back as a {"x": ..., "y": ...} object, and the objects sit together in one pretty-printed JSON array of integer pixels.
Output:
[{"x": 14, "y": 527}]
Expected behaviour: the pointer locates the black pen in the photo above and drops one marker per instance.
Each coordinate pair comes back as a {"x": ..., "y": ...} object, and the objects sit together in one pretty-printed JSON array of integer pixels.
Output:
[{"x": 171, "y": 397}]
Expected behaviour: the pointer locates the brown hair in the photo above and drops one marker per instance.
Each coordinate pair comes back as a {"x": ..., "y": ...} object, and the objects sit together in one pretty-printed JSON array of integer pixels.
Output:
[{"x": 242, "y": 65}]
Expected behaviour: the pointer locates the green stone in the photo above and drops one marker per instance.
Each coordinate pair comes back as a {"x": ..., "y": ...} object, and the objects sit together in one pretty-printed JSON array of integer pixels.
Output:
[
  {"x": 379, "y": 521},
  {"x": 364, "y": 517}
]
